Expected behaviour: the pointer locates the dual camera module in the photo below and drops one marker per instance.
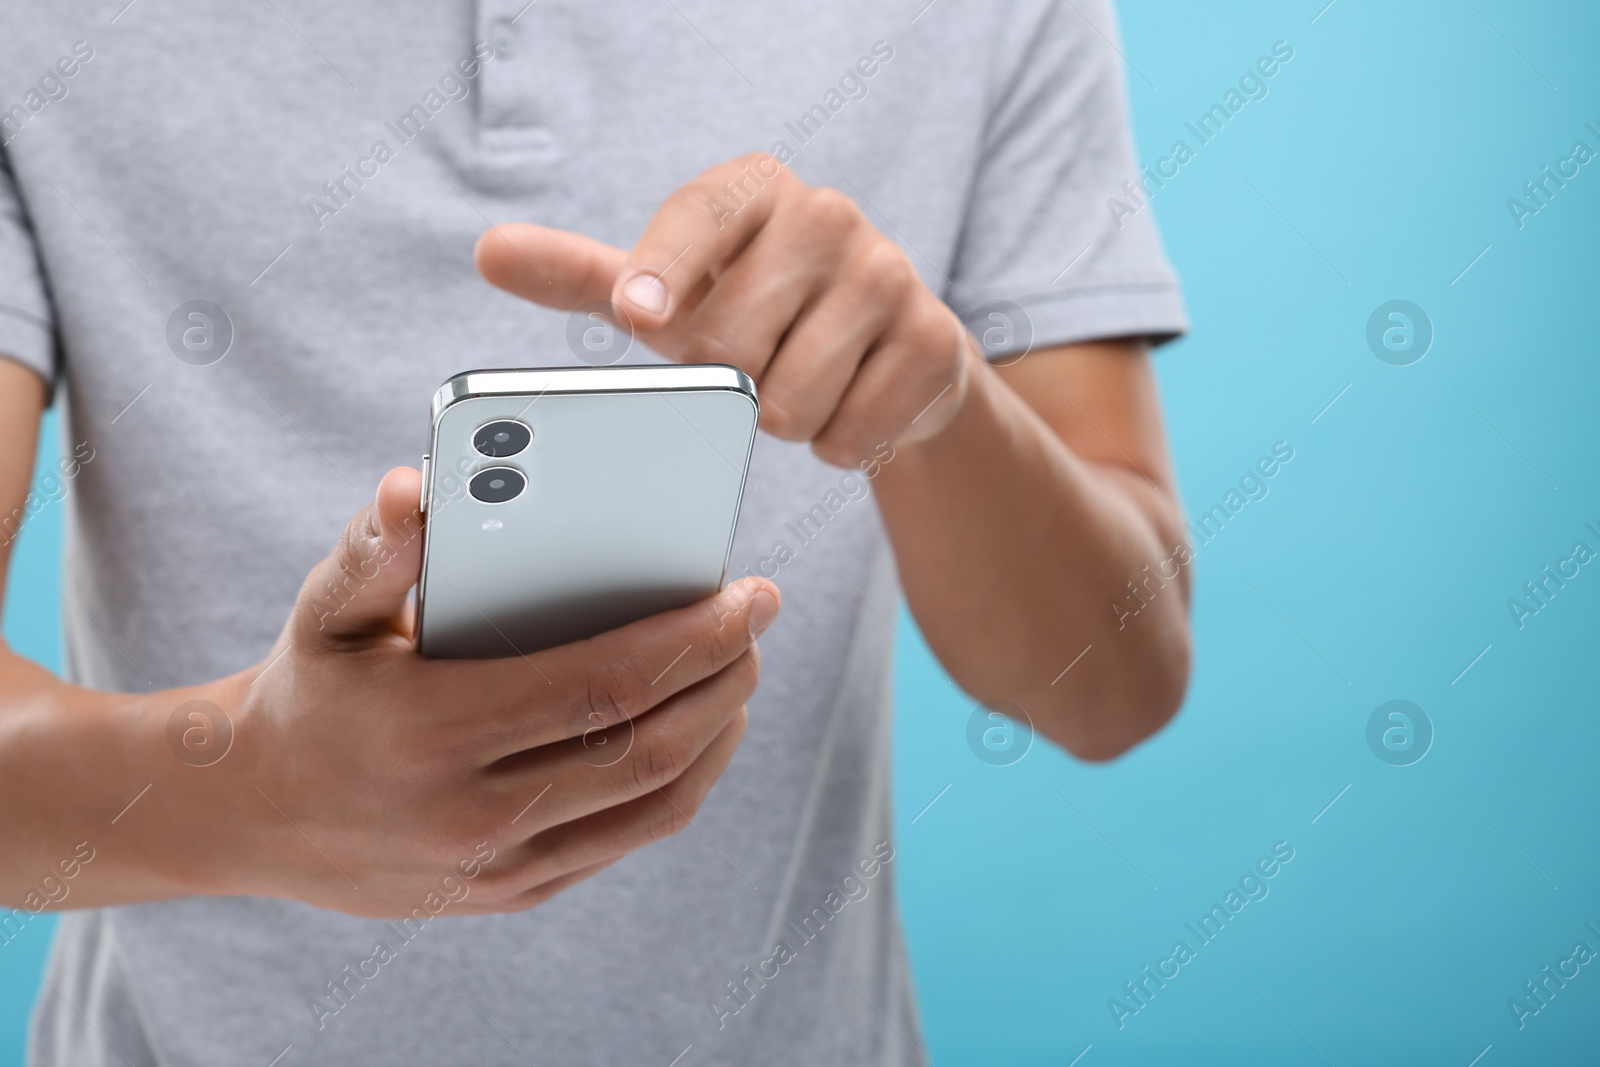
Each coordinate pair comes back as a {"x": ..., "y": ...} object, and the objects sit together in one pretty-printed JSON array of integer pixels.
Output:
[{"x": 498, "y": 440}]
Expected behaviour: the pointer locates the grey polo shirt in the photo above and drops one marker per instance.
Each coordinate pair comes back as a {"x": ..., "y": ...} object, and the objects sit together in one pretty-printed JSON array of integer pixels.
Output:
[{"x": 317, "y": 174}]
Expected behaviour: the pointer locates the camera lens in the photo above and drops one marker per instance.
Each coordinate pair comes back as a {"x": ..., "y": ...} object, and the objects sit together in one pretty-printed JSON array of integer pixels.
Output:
[
  {"x": 497, "y": 485},
  {"x": 501, "y": 439}
]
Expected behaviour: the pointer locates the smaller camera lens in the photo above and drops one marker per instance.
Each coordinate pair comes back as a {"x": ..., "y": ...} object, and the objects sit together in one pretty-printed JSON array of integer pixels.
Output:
[
  {"x": 501, "y": 439},
  {"x": 497, "y": 485}
]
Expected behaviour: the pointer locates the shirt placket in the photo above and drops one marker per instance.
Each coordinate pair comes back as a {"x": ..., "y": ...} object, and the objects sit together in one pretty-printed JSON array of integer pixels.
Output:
[{"x": 519, "y": 87}]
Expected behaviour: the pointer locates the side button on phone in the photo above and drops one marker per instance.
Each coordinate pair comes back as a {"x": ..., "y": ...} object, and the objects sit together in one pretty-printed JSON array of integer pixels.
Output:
[{"x": 422, "y": 505}]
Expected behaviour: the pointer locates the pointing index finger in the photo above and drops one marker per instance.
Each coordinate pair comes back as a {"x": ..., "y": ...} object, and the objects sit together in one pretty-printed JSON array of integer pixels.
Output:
[
  {"x": 556, "y": 268},
  {"x": 695, "y": 232}
]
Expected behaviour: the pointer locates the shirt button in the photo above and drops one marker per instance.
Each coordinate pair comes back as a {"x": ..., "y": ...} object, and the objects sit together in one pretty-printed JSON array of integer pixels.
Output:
[{"x": 502, "y": 35}]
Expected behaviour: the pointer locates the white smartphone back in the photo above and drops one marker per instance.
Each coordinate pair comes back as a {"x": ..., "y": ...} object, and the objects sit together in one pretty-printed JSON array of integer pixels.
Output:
[{"x": 620, "y": 503}]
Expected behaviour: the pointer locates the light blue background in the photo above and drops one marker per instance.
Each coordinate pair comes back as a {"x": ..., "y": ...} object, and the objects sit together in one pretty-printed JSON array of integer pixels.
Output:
[{"x": 1378, "y": 567}]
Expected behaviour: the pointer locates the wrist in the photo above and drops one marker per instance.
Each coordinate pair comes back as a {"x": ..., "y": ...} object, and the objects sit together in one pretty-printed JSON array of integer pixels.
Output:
[
  {"x": 974, "y": 408},
  {"x": 85, "y": 787},
  {"x": 187, "y": 749}
]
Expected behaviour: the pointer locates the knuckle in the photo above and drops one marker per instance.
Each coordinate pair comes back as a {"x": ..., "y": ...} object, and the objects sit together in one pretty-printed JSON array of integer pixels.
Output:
[
  {"x": 353, "y": 539},
  {"x": 710, "y": 344},
  {"x": 669, "y": 817},
  {"x": 500, "y": 881},
  {"x": 765, "y": 164},
  {"x": 359, "y": 545},
  {"x": 736, "y": 726},
  {"x": 763, "y": 167},
  {"x": 612, "y": 692},
  {"x": 829, "y": 210},
  {"x": 690, "y": 199},
  {"x": 934, "y": 329},
  {"x": 658, "y": 761},
  {"x": 745, "y": 673},
  {"x": 531, "y": 898},
  {"x": 781, "y": 414},
  {"x": 836, "y": 448},
  {"x": 339, "y": 578},
  {"x": 882, "y": 272},
  {"x": 711, "y": 179},
  {"x": 724, "y": 632}
]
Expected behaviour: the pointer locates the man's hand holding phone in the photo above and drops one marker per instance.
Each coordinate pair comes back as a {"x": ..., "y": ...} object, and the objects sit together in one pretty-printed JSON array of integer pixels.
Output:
[{"x": 361, "y": 772}]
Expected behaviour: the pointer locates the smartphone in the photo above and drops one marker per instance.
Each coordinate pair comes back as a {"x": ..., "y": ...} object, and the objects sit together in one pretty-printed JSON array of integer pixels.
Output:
[{"x": 562, "y": 503}]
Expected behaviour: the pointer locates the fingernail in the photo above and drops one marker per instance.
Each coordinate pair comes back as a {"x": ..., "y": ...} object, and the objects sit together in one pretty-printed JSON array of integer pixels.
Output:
[
  {"x": 763, "y": 609},
  {"x": 645, "y": 292}
]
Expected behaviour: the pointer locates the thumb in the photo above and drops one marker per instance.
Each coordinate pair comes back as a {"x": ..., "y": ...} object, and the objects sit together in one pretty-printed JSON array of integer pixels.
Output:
[
  {"x": 361, "y": 589},
  {"x": 556, "y": 268}
]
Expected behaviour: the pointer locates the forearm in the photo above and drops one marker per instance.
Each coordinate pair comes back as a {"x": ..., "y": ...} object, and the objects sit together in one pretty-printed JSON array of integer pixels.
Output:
[
  {"x": 97, "y": 809},
  {"x": 1016, "y": 556}
]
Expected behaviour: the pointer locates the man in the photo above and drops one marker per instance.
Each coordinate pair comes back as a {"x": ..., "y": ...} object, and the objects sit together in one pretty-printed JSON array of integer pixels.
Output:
[{"x": 306, "y": 844}]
